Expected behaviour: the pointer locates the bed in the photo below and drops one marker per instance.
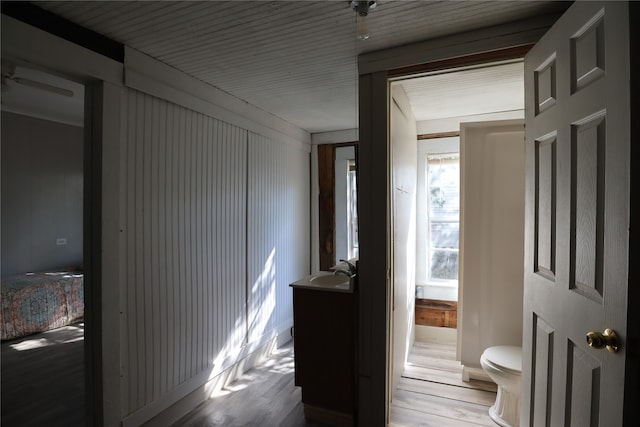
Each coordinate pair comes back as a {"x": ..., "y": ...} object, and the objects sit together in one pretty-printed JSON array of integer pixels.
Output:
[{"x": 38, "y": 302}]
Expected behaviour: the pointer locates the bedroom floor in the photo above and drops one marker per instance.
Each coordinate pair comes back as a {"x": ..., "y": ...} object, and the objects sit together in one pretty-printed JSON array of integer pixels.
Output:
[{"x": 43, "y": 379}]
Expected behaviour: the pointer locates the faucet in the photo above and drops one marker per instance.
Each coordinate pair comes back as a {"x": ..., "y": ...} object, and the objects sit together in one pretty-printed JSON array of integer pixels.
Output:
[
  {"x": 350, "y": 272},
  {"x": 345, "y": 272}
]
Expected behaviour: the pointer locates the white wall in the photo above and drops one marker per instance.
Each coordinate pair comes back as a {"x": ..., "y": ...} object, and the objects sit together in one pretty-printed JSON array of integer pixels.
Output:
[
  {"x": 184, "y": 176},
  {"x": 216, "y": 228},
  {"x": 491, "y": 237},
  {"x": 42, "y": 193},
  {"x": 403, "y": 145},
  {"x": 278, "y": 233},
  {"x": 205, "y": 222}
]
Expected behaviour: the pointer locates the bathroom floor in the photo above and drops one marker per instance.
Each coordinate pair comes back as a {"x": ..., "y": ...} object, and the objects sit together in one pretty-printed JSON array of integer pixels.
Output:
[{"x": 432, "y": 393}]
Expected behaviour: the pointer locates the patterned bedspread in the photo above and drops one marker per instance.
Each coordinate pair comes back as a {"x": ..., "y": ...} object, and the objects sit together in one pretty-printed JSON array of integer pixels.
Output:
[{"x": 37, "y": 302}]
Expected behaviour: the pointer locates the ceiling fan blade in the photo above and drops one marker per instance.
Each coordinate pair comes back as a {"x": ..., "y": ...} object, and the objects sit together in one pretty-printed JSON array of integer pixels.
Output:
[{"x": 43, "y": 86}]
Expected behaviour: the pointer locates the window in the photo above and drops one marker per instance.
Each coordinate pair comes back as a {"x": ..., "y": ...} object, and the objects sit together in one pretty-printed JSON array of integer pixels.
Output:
[
  {"x": 352, "y": 211},
  {"x": 345, "y": 196},
  {"x": 443, "y": 217}
]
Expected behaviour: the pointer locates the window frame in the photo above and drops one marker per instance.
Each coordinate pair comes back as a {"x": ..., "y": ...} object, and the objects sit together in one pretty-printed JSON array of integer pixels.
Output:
[
  {"x": 430, "y": 219},
  {"x": 342, "y": 157},
  {"x": 353, "y": 247},
  {"x": 431, "y": 146}
]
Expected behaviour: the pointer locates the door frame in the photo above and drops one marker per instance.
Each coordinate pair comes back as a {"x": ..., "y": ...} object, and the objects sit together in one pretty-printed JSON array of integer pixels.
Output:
[
  {"x": 326, "y": 158},
  {"x": 632, "y": 373},
  {"x": 91, "y": 245},
  {"x": 30, "y": 39},
  {"x": 509, "y": 41},
  {"x": 92, "y": 248}
]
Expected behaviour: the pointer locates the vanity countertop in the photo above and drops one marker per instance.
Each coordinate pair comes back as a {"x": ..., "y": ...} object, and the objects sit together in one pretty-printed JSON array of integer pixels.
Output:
[{"x": 326, "y": 281}]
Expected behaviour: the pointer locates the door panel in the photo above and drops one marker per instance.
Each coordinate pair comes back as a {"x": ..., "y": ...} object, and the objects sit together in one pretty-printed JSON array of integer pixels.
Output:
[
  {"x": 542, "y": 372},
  {"x": 576, "y": 217}
]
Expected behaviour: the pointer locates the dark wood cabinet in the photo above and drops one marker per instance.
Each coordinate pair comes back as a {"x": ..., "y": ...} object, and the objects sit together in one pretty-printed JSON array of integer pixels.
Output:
[{"x": 325, "y": 346}]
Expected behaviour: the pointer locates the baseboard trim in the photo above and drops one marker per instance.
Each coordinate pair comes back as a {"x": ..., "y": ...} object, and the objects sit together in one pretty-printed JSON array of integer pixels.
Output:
[{"x": 470, "y": 373}]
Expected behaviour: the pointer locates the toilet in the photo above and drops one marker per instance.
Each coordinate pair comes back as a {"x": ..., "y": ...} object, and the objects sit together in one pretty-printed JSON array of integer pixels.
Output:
[{"x": 503, "y": 364}]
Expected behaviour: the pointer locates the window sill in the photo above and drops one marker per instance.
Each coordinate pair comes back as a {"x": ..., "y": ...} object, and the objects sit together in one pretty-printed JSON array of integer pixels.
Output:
[{"x": 438, "y": 292}]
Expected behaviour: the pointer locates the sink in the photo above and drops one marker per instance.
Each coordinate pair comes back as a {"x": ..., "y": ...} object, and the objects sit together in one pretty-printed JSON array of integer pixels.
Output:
[
  {"x": 326, "y": 281},
  {"x": 330, "y": 280}
]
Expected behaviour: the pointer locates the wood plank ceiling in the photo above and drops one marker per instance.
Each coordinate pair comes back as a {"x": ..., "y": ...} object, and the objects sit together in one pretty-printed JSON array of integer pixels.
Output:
[{"x": 295, "y": 59}]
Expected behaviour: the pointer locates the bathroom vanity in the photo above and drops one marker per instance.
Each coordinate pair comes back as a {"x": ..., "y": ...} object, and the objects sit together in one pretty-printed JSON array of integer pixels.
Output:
[{"x": 325, "y": 344}]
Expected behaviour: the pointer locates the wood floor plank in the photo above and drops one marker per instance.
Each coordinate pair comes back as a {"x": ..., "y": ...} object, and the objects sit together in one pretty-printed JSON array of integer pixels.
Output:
[
  {"x": 425, "y": 355},
  {"x": 431, "y": 391},
  {"x": 445, "y": 377},
  {"x": 43, "y": 379},
  {"x": 436, "y": 397},
  {"x": 443, "y": 407},
  {"x": 405, "y": 417},
  {"x": 435, "y": 363},
  {"x": 436, "y": 348},
  {"x": 263, "y": 396},
  {"x": 463, "y": 394}
]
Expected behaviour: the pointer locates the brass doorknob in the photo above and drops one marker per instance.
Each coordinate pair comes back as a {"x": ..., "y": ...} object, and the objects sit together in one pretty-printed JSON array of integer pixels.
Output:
[{"x": 608, "y": 339}]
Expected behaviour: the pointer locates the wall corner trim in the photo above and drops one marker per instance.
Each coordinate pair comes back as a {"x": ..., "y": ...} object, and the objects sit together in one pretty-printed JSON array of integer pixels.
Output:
[{"x": 156, "y": 78}]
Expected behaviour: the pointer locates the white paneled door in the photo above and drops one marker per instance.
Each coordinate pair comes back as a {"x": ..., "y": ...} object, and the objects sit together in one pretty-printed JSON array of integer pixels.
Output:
[{"x": 577, "y": 218}]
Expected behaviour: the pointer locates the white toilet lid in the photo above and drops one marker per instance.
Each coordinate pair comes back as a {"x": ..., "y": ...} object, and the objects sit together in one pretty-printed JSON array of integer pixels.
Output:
[{"x": 505, "y": 356}]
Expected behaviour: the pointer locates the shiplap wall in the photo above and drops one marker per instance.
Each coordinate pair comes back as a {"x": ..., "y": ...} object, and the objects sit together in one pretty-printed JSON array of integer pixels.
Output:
[
  {"x": 216, "y": 227},
  {"x": 278, "y": 231}
]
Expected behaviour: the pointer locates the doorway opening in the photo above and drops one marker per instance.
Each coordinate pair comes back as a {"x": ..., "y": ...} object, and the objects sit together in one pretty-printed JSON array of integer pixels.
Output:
[
  {"x": 43, "y": 246},
  {"x": 429, "y": 115}
]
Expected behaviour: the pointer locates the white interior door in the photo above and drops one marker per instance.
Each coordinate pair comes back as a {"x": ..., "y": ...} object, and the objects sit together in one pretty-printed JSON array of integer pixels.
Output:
[{"x": 576, "y": 217}]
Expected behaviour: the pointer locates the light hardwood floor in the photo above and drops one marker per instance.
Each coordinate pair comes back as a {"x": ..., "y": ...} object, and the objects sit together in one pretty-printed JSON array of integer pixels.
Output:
[
  {"x": 432, "y": 393},
  {"x": 263, "y": 396},
  {"x": 43, "y": 379}
]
